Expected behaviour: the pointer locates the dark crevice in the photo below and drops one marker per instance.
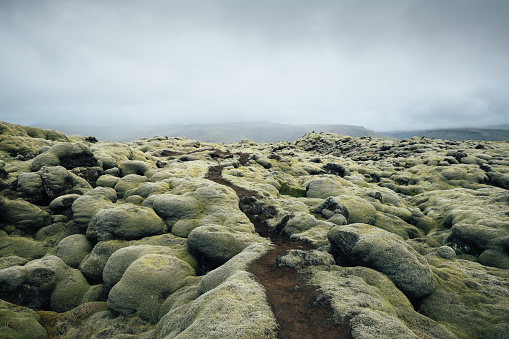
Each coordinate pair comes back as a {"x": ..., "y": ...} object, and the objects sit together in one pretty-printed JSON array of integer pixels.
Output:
[{"x": 301, "y": 310}]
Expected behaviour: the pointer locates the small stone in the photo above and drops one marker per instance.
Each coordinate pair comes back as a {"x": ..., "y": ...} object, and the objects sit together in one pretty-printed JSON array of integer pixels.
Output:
[{"x": 446, "y": 252}]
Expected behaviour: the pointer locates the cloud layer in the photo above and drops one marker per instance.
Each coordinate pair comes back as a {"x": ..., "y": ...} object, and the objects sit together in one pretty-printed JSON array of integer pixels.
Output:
[{"x": 396, "y": 64}]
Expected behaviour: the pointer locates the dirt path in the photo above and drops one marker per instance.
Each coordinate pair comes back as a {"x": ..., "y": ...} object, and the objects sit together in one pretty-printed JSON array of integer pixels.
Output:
[{"x": 301, "y": 311}]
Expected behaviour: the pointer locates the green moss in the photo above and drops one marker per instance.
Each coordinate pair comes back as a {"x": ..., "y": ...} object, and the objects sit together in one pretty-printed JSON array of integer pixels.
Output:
[
  {"x": 69, "y": 292},
  {"x": 78, "y": 315},
  {"x": 5, "y": 156},
  {"x": 411, "y": 190},
  {"x": 292, "y": 191},
  {"x": 469, "y": 299},
  {"x": 48, "y": 320},
  {"x": 237, "y": 308},
  {"x": 21, "y": 247},
  {"x": 19, "y": 322}
]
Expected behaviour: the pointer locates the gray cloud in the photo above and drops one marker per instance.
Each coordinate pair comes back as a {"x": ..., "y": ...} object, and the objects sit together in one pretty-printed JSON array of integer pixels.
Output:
[{"x": 384, "y": 65}]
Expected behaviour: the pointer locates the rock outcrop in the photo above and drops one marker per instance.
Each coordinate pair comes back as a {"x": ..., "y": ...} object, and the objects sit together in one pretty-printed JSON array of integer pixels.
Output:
[{"x": 366, "y": 245}]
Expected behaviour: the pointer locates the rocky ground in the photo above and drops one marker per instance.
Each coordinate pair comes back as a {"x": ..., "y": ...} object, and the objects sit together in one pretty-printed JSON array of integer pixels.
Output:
[{"x": 326, "y": 237}]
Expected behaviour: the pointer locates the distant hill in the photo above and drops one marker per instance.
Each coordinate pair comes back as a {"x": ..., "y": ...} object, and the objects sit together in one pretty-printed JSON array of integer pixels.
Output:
[
  {"x": 220, "y": 133},
  {"x": 492, "y": 134}
]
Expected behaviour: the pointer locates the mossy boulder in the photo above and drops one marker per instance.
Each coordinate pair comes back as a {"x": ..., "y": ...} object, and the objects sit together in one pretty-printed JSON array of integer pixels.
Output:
[
  {"x": 172, "y": 208},
  {"x": 70, "y": 290},
  {"x": 63, "y": 202},
  {"x": 298, "y": 259},
  {"x": 182, "y": 170},
  {"x": 73, "y": 155},
  {"x": 373, "y": 306},
  {"x": 49, "y": 183},
  {"x": 471, "y": 300},
  {"x": 66, "y": 154},
  {"x": 52, "y": 234},
  {"x": 128, "y": 183},
  {"x": 11, "y": 279},
  {"x": 499, "y": 179},
  {"x": 94, "y": 320},
  {"x": 85, "y": 207},
  {"x": 359, "y": 210},
  {"x": 134, "y": 199},
  {"x": 92, "y": 265},
  {"x": 495, "y": 257},
  {"x": 59, "y": 181},
  {"x": 107, "y": 180},
  {"x": 446, "y": 252},
  {"x": 23, "y": 247},
  {"x": 125, "y": 222},
  {"x": 221, "y": 207},
  {"x": 478, "y": 234},
  {"x": 20, "y": 323},
  {"x": 7, "y": 129},
  {"x": 73, "y": 249},
  {"x": 44, "y": 159},
  {"x": 483, "y": 240},
  {"x": 134, "y": 167},
  {"x": 148, "y": 188},
  {"x": 11, "y": 260},
  {"x": 45, "y": 283},
  {"x": 177, "y": 246},
  {"x": 120, "y": 260},
  {"x": 300, "y": 222},
  {"x": 19, "y": 145},
  {"x": 198, "y": 202},
  {"x": 325, "y": 187},
  {"x": 217, "y": 244},
  {"x": 145, "y": 282},
  {"x": 23, "y": 215},
  {"x": 31, "y": 188},
  {"x": 239, "y": 262},
  {"x": 45, "y": 272},
  {"x": 393, "y": 224},
  {"x": 366, "y": 245},
  {"x": 105, "y": 160},
  {"x": 237, "y": 308},
  {"x": 401, "y": 212},
  {"x": 332, "y": 206}
]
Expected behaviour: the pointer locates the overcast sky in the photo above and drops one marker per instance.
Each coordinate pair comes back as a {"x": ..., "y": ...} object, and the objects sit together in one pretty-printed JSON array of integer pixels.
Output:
[{"x": 384, "y": 65}]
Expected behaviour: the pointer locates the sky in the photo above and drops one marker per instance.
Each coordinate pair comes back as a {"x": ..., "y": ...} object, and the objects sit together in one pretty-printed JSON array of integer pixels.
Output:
[{"x": 385, "y": 65}]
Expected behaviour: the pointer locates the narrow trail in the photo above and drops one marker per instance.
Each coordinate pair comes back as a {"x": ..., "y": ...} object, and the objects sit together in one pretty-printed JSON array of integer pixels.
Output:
[{"x": 301, "y": 311}]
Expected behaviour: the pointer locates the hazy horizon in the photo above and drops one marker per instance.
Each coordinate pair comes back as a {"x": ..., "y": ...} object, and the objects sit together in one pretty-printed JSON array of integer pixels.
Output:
[
  {"x": 385, "y": 66},
  {"x": 146, "y": 126}
]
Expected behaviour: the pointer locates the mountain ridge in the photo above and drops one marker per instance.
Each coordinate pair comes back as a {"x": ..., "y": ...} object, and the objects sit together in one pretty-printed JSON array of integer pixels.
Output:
[
  {"x": 266, "y": 132},
  {"x": 486, "y": 134},
  {"x": 258, "y": 131}
]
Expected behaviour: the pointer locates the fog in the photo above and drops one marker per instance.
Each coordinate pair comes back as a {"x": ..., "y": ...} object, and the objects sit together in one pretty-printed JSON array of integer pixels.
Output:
[{"x": 384, "y": 65}]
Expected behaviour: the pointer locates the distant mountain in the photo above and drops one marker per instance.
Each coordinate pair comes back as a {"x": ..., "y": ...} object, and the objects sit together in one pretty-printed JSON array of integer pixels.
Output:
[
  {"x": 503, "y": 126},
  {"x": 492, "y": 134},
  {"x": 227, "y": 133}
]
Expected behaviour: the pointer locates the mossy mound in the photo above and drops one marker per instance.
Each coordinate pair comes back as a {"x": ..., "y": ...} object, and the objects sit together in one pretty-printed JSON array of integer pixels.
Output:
[
  {"x": 20, "y": 323},
  {"x": 23, "y": 247},
  {"x": 374, "y": 306},
  {"x": 237, "y": 308},
  {"x": 125, "y": 222},
  {"x": 470, "y": 299},
  {"x": 146, "y": 282}
]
